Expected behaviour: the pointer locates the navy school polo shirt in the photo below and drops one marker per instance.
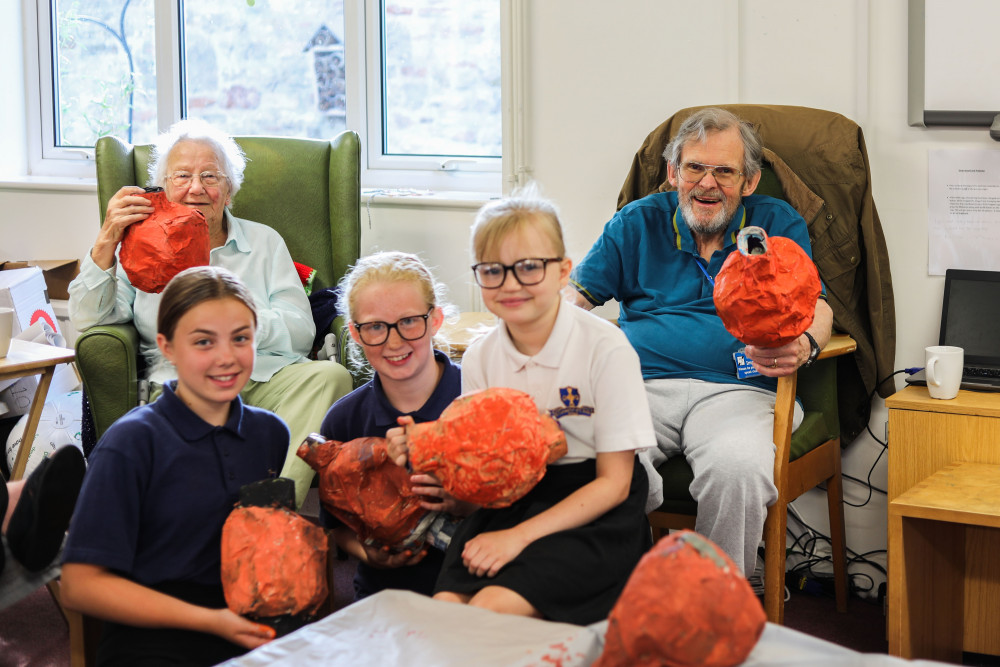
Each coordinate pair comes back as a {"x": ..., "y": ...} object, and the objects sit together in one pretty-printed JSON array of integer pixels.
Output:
[
  {"x": 367, "y": 413},
  {"x": 160, "y": 484}
]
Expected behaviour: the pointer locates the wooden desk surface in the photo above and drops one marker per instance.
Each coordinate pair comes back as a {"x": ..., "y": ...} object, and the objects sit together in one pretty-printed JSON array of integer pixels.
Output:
[
  {"x": 460, "y": 333},
  {"x": 964, "y": 493},
  {"x": 25, "y": 357},
  {"x": 979, "y": 403},
  {"x": 22, "y": 360}
]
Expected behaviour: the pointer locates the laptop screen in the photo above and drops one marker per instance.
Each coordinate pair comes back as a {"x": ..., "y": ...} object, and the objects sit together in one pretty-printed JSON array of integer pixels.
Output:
[{"x": 970, "y": 317}]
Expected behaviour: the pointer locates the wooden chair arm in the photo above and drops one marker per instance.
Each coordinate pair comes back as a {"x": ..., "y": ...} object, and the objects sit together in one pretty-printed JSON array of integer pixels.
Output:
[
  {"x": 839, "y": 344},
  {"x": 784, "y": 402}
]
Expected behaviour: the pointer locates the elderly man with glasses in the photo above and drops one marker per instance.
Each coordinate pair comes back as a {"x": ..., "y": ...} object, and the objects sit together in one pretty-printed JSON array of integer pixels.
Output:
[
  {"x": 658, "y": 258},
  {"x": 201, "y": 167}
]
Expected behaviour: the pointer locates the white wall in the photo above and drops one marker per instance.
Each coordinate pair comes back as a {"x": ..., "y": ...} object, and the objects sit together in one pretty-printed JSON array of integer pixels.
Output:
[{"x": 602, "y": 75}]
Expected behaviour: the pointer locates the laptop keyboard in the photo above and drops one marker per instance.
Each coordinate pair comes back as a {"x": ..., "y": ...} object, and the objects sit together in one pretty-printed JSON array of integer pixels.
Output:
[{"x": 975, "y": 371}]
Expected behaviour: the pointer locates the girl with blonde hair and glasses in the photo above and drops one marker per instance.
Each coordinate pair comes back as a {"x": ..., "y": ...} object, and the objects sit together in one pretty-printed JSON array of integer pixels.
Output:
[
  {"x": 395, "y": 310},
  {"x": 563, "y": 551}
]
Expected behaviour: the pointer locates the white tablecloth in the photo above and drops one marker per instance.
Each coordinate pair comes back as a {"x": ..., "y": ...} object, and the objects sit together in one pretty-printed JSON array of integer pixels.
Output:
[{"x": 403, "y": 628}]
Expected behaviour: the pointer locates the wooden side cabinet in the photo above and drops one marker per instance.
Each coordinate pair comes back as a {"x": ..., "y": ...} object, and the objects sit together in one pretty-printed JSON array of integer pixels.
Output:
[{"x": 925, "y": 436}]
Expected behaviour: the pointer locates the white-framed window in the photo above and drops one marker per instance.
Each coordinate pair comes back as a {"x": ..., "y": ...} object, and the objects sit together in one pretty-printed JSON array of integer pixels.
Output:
[{"x": 419, "y": 80}]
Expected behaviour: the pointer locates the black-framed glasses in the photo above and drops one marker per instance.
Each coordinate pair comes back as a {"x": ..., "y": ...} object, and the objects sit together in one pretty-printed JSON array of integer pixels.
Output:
[
  {"x": 528, "y": 271},
  {"x": 409, "y": 328},
  {"x": 209, "y": 179},
  {"x": 693, "y": 172}
]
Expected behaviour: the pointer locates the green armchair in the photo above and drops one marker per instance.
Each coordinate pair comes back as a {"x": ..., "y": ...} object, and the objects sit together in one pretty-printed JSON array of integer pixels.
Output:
[{"x": 306, "y": 189}]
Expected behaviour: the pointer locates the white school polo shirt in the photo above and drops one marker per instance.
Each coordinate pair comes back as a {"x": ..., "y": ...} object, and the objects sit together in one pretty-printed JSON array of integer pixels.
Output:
[{"x": 587, "y": 377}]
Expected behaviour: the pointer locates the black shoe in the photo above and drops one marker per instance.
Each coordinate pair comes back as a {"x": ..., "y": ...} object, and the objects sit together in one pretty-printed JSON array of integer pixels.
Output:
[{"x": 41, "y": 516}]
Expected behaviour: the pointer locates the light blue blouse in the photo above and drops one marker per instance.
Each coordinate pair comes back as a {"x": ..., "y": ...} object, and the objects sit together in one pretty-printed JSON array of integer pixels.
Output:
[{"x": 254, "y": 252}]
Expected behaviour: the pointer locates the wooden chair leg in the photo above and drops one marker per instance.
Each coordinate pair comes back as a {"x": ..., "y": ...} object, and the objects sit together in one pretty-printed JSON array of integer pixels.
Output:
[
  {"x": 84, "y": 631},
  {"x": 774, "y": 562},
  {"x": 838, "y": 543},
  {"x": 331, "y": 558}
]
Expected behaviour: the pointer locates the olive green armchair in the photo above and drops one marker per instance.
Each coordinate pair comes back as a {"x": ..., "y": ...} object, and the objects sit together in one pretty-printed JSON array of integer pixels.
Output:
[{"x": 306, "y": 189}]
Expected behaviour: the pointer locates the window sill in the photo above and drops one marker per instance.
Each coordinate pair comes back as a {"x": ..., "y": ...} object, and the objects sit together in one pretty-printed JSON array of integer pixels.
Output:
[
  {"x": 369, "y": 196},
  {"x": 410, "y": 197},
  {"x": 53, "y": 183}
]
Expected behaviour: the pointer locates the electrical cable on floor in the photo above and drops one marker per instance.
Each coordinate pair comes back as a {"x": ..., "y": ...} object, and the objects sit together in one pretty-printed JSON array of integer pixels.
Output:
[
  {"x": 864, "y": 483},
  {"x": 810, "y": 559},
  {"x": 869, "y": 483},
  {"x": 804, "y": 544}
]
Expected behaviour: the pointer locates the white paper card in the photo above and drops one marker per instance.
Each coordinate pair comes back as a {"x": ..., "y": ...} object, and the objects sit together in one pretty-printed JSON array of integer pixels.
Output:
[{"x": 963, "y": 210}]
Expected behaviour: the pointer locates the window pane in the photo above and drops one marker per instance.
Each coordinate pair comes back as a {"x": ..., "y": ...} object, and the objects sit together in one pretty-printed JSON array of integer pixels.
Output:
[
  {"x": 266, "y": 67},
  {"x": 441, "y": 77},
  {"x": 105, "y": 77}
]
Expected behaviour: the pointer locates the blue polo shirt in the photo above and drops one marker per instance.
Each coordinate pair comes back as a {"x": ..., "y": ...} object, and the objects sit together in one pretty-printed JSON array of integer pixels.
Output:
[
  {"x": 646, "y": 258},
  {"x": 366, "y": 412},
  {"x": 161, "y": 483}
]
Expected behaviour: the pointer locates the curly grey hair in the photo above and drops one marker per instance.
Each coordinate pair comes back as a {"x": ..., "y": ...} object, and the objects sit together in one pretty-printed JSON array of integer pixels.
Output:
[{"x": 230, "y": 155}]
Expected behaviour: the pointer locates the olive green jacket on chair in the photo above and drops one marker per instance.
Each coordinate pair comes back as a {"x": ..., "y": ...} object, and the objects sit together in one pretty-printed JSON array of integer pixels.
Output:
[{"x": 308, "y": 190}]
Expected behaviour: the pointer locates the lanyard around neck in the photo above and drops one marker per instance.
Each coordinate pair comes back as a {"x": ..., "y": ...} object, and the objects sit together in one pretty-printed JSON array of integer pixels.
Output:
[{"x": 711, "y": 280}]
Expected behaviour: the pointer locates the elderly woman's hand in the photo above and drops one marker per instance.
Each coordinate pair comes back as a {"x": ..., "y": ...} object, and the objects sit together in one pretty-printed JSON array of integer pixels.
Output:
[{"x": 127, "y": 207}]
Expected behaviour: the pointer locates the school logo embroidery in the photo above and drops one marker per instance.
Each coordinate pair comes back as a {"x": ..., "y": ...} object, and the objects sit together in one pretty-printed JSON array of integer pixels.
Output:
[{"x": 570, "y": 397}]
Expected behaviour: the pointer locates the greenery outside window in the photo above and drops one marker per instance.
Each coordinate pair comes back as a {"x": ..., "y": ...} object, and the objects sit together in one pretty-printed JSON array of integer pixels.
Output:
[{"x": 418, "y": 79}]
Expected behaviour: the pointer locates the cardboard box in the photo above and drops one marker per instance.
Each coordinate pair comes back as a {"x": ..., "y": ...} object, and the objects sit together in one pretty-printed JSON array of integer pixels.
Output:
[
  {"x": 58, "y": 273},
  {"x": 25, "y": 291}
]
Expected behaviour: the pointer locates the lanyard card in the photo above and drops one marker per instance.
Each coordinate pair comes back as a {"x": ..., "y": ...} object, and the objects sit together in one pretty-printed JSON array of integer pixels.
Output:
[{"x": 744, "y": 366}]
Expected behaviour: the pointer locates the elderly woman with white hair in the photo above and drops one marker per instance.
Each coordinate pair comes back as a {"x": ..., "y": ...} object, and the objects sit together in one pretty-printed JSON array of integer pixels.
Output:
[{"x": 201, "y": 167}]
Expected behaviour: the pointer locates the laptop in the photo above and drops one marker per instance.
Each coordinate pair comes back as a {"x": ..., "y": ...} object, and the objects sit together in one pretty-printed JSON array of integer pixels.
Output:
[{"x": 970, "y": 319}]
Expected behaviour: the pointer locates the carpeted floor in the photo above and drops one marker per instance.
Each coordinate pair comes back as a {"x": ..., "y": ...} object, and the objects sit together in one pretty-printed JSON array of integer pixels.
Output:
[{"x": 33, "y": 633}]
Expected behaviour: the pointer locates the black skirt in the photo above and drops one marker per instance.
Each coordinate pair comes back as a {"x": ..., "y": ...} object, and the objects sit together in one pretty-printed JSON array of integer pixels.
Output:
[
  {"x": 573, "y": 576},
  {"x": 128, "y": 646}
]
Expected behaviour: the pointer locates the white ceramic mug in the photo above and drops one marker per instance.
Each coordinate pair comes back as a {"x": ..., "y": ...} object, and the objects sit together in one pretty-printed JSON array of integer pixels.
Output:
[
  {"x": 943, "y": 369},
  {"x": 6, "y": 327}
]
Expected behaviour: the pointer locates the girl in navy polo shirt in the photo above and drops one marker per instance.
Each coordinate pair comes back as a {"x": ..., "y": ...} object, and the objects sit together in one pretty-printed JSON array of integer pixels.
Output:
[
  {"x": 144, "y": 546},
  {"x": 395, "y": 310}
]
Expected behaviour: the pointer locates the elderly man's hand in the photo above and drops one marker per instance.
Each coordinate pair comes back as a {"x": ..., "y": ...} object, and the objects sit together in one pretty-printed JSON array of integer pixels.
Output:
[{"x": 778, "y": 361}]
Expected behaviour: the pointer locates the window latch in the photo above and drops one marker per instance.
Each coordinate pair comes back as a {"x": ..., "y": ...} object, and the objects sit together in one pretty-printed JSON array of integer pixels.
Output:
[
  {"x": 455, "y": 164},
  {"x": 87, "y": 153}
]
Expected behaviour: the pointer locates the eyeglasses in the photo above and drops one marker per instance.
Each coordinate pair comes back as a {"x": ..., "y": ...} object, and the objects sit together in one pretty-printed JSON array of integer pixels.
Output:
[
  {"x": 529, "y": 271},
  {"x": 408, "y": 328},
  {"x": 209, "y": 179},
  {"x": 693, "y": 172}
]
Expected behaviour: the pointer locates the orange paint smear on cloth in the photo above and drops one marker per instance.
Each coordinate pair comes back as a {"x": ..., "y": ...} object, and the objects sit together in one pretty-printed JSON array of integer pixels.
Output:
[
  {"x": 364, "y": 489},
  {"x": 488, "y": 447},
  {"x": 173, "y": 238},
  {"x": 685, "y": 605},
  {"x": 273, "y": 562}
]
